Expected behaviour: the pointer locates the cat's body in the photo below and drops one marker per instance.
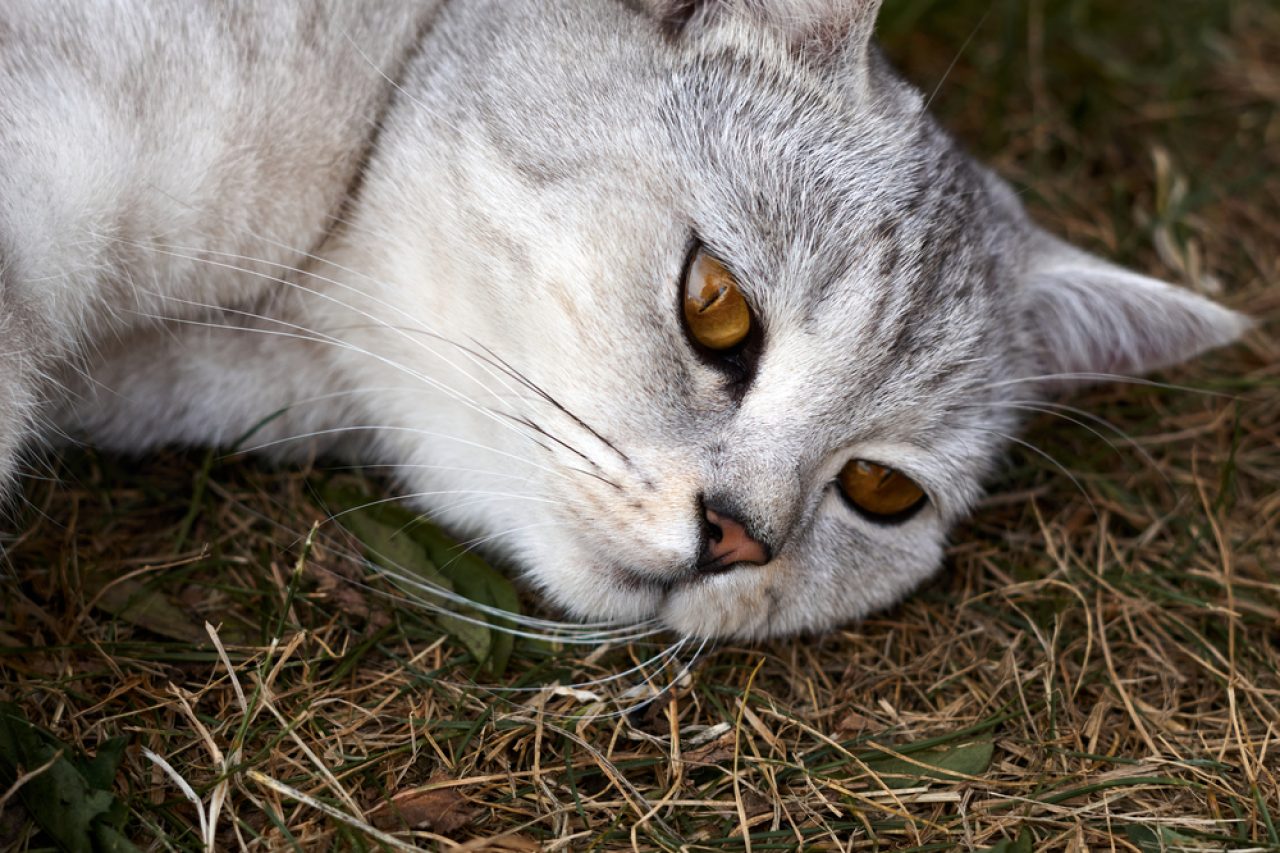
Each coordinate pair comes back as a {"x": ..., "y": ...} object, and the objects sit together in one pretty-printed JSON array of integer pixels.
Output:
[
  {"x": 141, "y": 140},
  {"x": 450, "y": 237}
]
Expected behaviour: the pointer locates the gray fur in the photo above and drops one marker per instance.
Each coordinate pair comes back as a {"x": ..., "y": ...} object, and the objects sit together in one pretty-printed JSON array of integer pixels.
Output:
[{"x": 449, "y": 239}]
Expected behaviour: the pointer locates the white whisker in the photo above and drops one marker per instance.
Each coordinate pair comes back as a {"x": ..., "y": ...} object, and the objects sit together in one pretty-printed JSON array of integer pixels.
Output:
[
  {"x": 1108, "y": 377},
  {"x": 1056, "y": 409},
  {"x": 323, "y": 337},
  {"x": 320, "y": 433},
  {"x": 1046, "y": 455},
  {"x": 666, "y": 654},
  {"x": 416, "y": 324}
]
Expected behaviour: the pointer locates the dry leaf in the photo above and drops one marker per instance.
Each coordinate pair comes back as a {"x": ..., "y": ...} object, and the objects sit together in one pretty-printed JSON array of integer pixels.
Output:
[
  {"x": 756, "y": 804},
  {"x": 344, "y": 597},
  {"x": 717, "y": 751},
  {"x": 852, "y": 723},
  {"x": 443, "y": 810}
]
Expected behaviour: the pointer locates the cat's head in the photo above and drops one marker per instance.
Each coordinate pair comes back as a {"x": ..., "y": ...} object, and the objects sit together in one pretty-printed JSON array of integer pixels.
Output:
[{"x": 870, "y": 307}]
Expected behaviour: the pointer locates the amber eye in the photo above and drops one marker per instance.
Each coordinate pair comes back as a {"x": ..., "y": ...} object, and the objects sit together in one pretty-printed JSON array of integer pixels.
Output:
[
  {"x": 880, "y": 492},
  {"x": 714, "y": 308}
]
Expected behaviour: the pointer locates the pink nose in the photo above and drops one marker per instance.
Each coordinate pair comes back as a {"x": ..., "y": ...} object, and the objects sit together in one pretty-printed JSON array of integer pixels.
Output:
[{"x": 729, "y": 542}]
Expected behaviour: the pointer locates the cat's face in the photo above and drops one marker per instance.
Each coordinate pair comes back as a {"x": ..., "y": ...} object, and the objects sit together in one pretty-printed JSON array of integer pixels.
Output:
[{"x": 586, "y": 166}]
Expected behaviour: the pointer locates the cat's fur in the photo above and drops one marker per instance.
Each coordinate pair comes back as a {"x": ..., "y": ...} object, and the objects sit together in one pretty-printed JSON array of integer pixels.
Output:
[{"x": 449, "y": 238}]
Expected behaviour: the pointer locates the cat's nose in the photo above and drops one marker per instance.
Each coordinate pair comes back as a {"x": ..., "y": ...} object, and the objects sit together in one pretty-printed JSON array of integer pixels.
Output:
[{"x": 726, "y": 542}]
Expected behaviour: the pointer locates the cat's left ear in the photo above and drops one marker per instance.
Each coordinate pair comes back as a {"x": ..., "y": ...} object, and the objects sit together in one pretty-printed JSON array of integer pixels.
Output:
[{"x": 1089, "y": 318}]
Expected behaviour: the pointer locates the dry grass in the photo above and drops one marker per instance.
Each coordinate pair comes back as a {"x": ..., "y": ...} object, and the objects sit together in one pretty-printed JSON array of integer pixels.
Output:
[{"x": 1099, "y": 661}]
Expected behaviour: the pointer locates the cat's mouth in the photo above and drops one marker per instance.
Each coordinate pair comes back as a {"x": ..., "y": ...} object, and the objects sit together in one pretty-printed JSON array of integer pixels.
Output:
[{"x": 635, "y": 580}]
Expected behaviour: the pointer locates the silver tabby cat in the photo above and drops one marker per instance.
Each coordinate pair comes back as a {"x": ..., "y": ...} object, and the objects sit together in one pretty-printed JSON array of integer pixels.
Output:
[{"x": 688, "y": 309}]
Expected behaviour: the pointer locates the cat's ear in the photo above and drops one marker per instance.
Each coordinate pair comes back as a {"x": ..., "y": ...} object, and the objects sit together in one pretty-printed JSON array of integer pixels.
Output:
[
  {"x": 830, "y": 23},
  {"x": 673, "y": 14},
  {"x": 1089, "y": 318},
  {"x": 825, "y": 24}
]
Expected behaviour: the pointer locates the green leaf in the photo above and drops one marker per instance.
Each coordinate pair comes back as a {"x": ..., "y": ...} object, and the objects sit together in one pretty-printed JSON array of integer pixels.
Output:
[
  {"x": 108, "y": 839},
  {"x": 138, "y": 603},
  {"x": 1159, "y": 839},
  {"x": 474, "y": 578},
  {"x": 71, "y": 800},
  {"x": 101, "y": 769},
  {"x": 386, "y": 532},
  {"x": 1022, "y": 844},
  {"x": 134, "y": 602},
  {"x": 948, "y": 764}
]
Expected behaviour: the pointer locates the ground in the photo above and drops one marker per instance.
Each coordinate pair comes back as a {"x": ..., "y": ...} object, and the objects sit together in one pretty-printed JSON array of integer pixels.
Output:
[{"x": 1096, "y": 667}]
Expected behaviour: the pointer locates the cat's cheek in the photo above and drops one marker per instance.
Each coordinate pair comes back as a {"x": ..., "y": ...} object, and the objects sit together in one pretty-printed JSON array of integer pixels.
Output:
[{"x": 583, "y": 586}]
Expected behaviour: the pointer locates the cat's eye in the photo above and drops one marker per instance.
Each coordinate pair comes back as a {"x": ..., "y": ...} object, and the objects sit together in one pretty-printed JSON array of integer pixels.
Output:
[
  {"x": 715, "y": 311},
  {"x": 883, "y": 494}
]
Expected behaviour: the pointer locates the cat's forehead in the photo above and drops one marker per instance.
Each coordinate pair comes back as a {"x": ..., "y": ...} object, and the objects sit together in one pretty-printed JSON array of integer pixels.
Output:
[{"x": 799, "y": 155}]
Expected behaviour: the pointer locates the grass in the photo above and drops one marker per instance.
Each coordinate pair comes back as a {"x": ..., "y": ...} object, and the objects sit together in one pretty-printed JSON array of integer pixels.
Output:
[{"x": 1096, "y": 668}]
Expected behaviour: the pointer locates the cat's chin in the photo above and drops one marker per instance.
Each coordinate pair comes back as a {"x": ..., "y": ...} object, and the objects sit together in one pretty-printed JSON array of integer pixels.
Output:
[
  {"x": 744, "y": 603},
  {"x": 699, "y": 607},
  {"x": 722, "y": 607},
  {"x": 740, "y": 604}
]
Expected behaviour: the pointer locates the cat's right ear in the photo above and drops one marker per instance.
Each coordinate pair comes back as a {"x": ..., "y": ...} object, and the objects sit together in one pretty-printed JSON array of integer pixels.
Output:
[
  {"x": 674, "y": 15},
  {"x": 829, "y": 26}
]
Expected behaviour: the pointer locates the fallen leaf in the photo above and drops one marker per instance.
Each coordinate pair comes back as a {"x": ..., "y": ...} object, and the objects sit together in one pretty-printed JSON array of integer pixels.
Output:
[
  {"x": 1024, "y": 843},
  {"x": 71, "y": 800},
  {"x": 383, "y": 530},
  {"x": 579, "y": 695},
  {"x": 475, "y": 579},
  {"x": 1158, "y": 839},
  {"x": 139, "y": 603},
  {"x": 134, "y": 602},
  {"x": 715, "y": 752},
  {"x": 699, "y": 735},
  {"x": 852, "y": 723},
  {"x": 755, "y": 805},
  {"x": 508, "y": 844},
  {"x": 443, "y": 810},
  {"x": 949, "y": 764},
  {"x": 339, "y": 590}
]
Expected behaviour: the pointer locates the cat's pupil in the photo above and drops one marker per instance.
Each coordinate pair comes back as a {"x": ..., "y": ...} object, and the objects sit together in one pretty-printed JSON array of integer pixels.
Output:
[{"x": 711, "y": 295}]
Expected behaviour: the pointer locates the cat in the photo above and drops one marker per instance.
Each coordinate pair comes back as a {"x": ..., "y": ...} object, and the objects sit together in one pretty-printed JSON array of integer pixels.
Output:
[{"x": 686, "y": 309}]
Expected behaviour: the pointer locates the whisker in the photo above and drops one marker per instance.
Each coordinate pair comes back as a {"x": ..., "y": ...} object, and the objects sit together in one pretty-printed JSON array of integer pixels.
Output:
[
  {"x": 477, "y": 492},
  {"x": 569, "y": 633},
  {"x": 663, "y": 658},
  {"x": 417, "y": 328},
  {"x": 1056, "y": 409},
  {"x": 952, "y": 67},
  {"x": 566, "y": 637},
  {"x": 488, "y": 361},
  {"x": 325, "y": 337},
  {"x": 1046, "y": 455},
  {"x": 537, "y": 389},
  {"x": 455, "y": 469},
  {"x": 406, "y": 577},
  {"x": 320, "y": 433},
  {"x": 1111, "y": 377},
  {"x": 561, "y": 632},
  {"x": 322, "y": 337},
  {"x": 666, "y": 654}
]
